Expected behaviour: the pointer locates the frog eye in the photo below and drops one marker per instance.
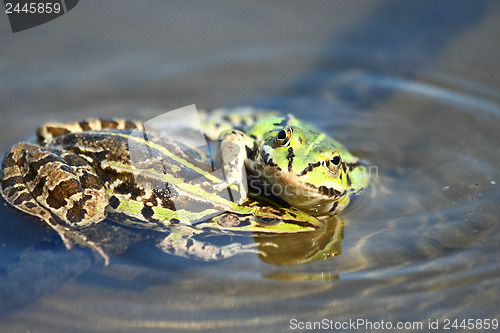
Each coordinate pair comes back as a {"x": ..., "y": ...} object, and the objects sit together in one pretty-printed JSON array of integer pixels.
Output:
[
  {"x": 267, "y": 221},
  {"x": 333, "y": 164},
  {"x": 283, "y": 137}
]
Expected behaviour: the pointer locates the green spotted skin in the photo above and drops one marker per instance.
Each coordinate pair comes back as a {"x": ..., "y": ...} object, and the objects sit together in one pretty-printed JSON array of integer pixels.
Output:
[{"x": 303, "y": 166}]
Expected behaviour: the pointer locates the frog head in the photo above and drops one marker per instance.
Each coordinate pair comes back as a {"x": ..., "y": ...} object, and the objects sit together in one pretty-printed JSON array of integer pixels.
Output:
[{"x": 302, "y": 165}]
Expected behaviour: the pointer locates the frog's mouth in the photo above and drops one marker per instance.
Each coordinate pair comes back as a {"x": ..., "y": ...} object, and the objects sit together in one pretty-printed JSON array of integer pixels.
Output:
[
  {"x": 293, "y": 188},
  {"x": 319, "y": 201}
]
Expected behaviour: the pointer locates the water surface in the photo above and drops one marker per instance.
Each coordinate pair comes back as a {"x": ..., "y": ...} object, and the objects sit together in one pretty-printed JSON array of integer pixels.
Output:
[{"x": 410, "y": 88}]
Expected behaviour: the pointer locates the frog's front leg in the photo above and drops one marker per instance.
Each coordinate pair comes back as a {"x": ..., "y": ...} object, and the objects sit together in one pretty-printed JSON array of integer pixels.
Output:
[
  {"x": 57, "y": 187},
  {"x": 231, "y": 154},
  {"x": 181, "y": 242}
]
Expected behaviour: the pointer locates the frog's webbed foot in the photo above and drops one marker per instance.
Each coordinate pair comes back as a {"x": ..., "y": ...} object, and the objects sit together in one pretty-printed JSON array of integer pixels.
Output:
[
  {"x": 72, "y": 237},
  {"x": 182, "y": 243},
  {"x": 69, "y": 236},
  {"x": 231, "y": 154},
  {"x": 82, "y": 199}
]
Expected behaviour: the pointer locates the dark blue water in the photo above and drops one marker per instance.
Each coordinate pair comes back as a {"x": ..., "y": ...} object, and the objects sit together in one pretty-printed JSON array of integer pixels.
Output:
[{"x": 409, "y": 86}]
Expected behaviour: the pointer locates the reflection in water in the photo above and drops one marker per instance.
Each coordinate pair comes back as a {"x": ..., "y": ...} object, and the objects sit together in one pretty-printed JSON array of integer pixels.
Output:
[{"x": 294, "y": 249}]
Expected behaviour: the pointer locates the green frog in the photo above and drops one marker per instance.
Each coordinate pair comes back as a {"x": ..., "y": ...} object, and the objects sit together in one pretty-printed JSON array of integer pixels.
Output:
[{"x": 279, "y": 175}]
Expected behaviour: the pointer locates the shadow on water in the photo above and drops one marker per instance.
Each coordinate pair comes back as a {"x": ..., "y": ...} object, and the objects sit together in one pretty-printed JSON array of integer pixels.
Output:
[{"x": 34, "y": 262}]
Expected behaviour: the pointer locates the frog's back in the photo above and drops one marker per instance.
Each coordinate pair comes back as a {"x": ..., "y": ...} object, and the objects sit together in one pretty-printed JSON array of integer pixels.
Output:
[{"x": 242, "y": 118}]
